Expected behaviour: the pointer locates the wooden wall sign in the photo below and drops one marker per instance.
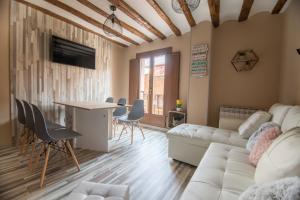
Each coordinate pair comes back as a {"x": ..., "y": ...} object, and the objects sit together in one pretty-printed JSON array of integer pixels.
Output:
[{"x": 199, "y": 65}]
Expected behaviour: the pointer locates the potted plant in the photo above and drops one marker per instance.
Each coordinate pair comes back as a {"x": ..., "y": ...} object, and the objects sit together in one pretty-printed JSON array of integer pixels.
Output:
[{"x": 179, "y": 104}]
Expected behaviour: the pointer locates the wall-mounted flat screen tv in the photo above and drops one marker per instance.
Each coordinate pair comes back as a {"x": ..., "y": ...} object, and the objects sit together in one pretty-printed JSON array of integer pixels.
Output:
[{"x": 71, "y": 53}]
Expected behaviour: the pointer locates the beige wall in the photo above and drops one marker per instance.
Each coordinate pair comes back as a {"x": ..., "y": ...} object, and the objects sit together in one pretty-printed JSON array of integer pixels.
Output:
[
  {"x": 5, "y": 131},
  {"x": 257, "y": 88},
  {"x": 290, "y": 67}
]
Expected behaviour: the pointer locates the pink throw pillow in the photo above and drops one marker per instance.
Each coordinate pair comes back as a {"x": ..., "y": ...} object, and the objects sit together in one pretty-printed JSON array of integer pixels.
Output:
[{"x": 262, "y": 144}]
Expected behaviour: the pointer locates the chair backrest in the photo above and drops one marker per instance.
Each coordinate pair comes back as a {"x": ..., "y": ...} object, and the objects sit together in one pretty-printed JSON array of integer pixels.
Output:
[
  {"x": 40, "y": 125},
  {"x": 29, "y": 122},
  {"x": 109, "y": 100},
  {"x": 120, "y": 111},
  {"x": 21, "y": 112},
  {"x": 122, "y": 102},
  {"x": 137, "y": 110}
]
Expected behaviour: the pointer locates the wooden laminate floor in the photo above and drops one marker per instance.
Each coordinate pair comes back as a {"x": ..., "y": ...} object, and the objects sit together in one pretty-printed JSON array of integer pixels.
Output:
[{"x": 144, "y": 166}]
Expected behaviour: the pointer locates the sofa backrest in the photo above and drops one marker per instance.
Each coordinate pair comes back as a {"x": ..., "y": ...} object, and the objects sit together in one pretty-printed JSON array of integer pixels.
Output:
[
  {"x": 279, "y": 112},
  {"x": 281, "y": 159},
  {"x": 292, "y": 119}
]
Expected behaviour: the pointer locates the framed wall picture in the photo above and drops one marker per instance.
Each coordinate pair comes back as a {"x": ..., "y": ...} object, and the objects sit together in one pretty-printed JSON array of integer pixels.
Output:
[{"x": 199, "y": 64}]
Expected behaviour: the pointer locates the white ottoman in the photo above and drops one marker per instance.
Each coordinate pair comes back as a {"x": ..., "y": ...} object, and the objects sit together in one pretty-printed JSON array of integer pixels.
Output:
[{"x": 98, "y": 191}]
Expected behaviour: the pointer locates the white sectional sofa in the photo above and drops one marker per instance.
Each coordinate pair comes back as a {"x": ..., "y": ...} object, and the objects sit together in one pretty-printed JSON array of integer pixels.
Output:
[
  {"x": 224, "y": 171},
  {"x": 189, "y": 142}
]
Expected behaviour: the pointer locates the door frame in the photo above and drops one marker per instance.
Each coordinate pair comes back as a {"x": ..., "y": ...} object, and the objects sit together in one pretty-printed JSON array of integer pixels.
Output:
[{"x": 149, "y": 117}]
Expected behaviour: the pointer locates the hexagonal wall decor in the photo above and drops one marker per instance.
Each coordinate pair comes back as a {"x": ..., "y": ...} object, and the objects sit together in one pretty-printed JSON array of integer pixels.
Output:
[{"x": 244, "y": 60}]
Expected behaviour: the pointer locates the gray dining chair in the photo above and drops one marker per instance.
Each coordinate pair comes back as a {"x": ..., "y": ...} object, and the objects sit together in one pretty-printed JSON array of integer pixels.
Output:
[
  {"x": 118, "y": 112},
  {"x": 109, "y": 100},
  {"x": 30, "y": 134},
  {"x": 51, "y": 139},
  {"x": 133, "y": 118},
  {"x": 30, "y": 128},
  {"x": 22, "y": 121}
]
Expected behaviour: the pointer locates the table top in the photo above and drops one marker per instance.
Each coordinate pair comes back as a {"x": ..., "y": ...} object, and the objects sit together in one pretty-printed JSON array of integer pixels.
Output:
[{"x": 89, "y": 105}]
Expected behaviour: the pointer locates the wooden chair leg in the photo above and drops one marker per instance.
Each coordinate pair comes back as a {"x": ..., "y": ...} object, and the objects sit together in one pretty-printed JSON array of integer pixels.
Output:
[
  {"x": 25, "y": 141},
  {"x": 132, "y": 132},
  {"x": 45, "y": 166},
  {"x": 73, "y": 154},
  {"x": 124, "y": 128},
  {"x": 28, "y": 139},
  {"x": 63, "y": 147},
  {"x": 38, "y": 157},
  {"x": 32, "y": 153},
  {"x": 139, "y": 126},
  {"x": 21, "y": 140}
]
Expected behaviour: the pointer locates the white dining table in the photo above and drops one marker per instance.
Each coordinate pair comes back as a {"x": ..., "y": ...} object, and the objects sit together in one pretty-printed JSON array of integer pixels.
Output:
[{"x": 93, "y": 120}]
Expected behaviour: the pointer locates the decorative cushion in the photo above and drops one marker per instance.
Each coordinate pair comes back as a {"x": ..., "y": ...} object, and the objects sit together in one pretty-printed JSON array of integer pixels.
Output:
[
  {"x": 281, "y": 159},
  {"x": 263, "y": 142},
  {"x": 98, "y": 191},
  {"x": 292, "y": 119},
  {"x": 252, "y": 140},
  {"x": 283, "y": 189},
  {"x": 278, "y": 112},
  {"x": 253, "y": 123}
]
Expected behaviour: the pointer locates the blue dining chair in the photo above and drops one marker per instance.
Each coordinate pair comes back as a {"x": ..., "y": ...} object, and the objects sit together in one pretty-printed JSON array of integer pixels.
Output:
[
  {"x": 119, "y": 112},
  {"x": 133, "y": 118}
]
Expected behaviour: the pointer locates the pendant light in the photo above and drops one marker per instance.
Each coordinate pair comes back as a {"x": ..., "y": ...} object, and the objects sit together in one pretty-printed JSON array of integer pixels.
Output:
[
  {"x": 192, "y": 4},
  {"x": 112, "y": 23}
]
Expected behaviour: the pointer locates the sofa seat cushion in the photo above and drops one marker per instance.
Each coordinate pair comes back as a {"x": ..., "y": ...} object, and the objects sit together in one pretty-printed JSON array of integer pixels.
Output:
[
  {"x": 98, "y": 191},
  {"x": 204, "y": 135},
  {"x": 223, "y": 174}
]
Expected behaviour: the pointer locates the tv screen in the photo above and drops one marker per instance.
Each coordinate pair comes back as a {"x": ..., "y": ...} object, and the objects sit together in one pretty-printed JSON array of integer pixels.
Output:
[{"x": 71, "y": 53}]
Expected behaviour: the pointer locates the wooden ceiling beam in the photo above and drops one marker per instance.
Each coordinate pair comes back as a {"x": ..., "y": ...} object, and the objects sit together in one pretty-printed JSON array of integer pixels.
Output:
[
  {"x": 247, "y": 5},
  {"x": 128, "y": 10},
  {"x": 52, "y": 14},
  {"x": 279, "y": 5},
  {"x": 123, "y": 24},
  {"x": 89, "y": 19},
  {"x": 214, "y": 8},
  {"x": 187, "y": 13},
  {"x": 164, "y": 17}
]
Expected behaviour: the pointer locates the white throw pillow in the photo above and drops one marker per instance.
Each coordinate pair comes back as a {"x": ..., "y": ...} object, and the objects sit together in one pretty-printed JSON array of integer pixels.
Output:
[
  {"x": 282, "y": 159},
  {"x": 247, "y": 128}
]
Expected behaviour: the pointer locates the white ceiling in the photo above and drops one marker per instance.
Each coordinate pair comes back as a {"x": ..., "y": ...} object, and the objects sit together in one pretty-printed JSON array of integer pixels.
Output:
[{"x": 229, "y": 10}]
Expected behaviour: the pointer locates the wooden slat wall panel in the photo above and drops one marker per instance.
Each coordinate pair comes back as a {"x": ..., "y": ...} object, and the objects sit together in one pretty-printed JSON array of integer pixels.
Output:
[{"x": 36, "y": 79}]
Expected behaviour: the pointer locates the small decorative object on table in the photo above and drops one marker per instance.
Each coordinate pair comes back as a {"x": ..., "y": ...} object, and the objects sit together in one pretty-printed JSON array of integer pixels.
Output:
[
  {"x": 179, "y": 105},
  {"x": 175, "y": 118}
]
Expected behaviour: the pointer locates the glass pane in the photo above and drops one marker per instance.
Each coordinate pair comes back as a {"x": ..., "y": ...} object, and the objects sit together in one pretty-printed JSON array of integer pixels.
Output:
[
  {"x": 144, "y": 82},
  {"x": 158, "y": 85}
]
